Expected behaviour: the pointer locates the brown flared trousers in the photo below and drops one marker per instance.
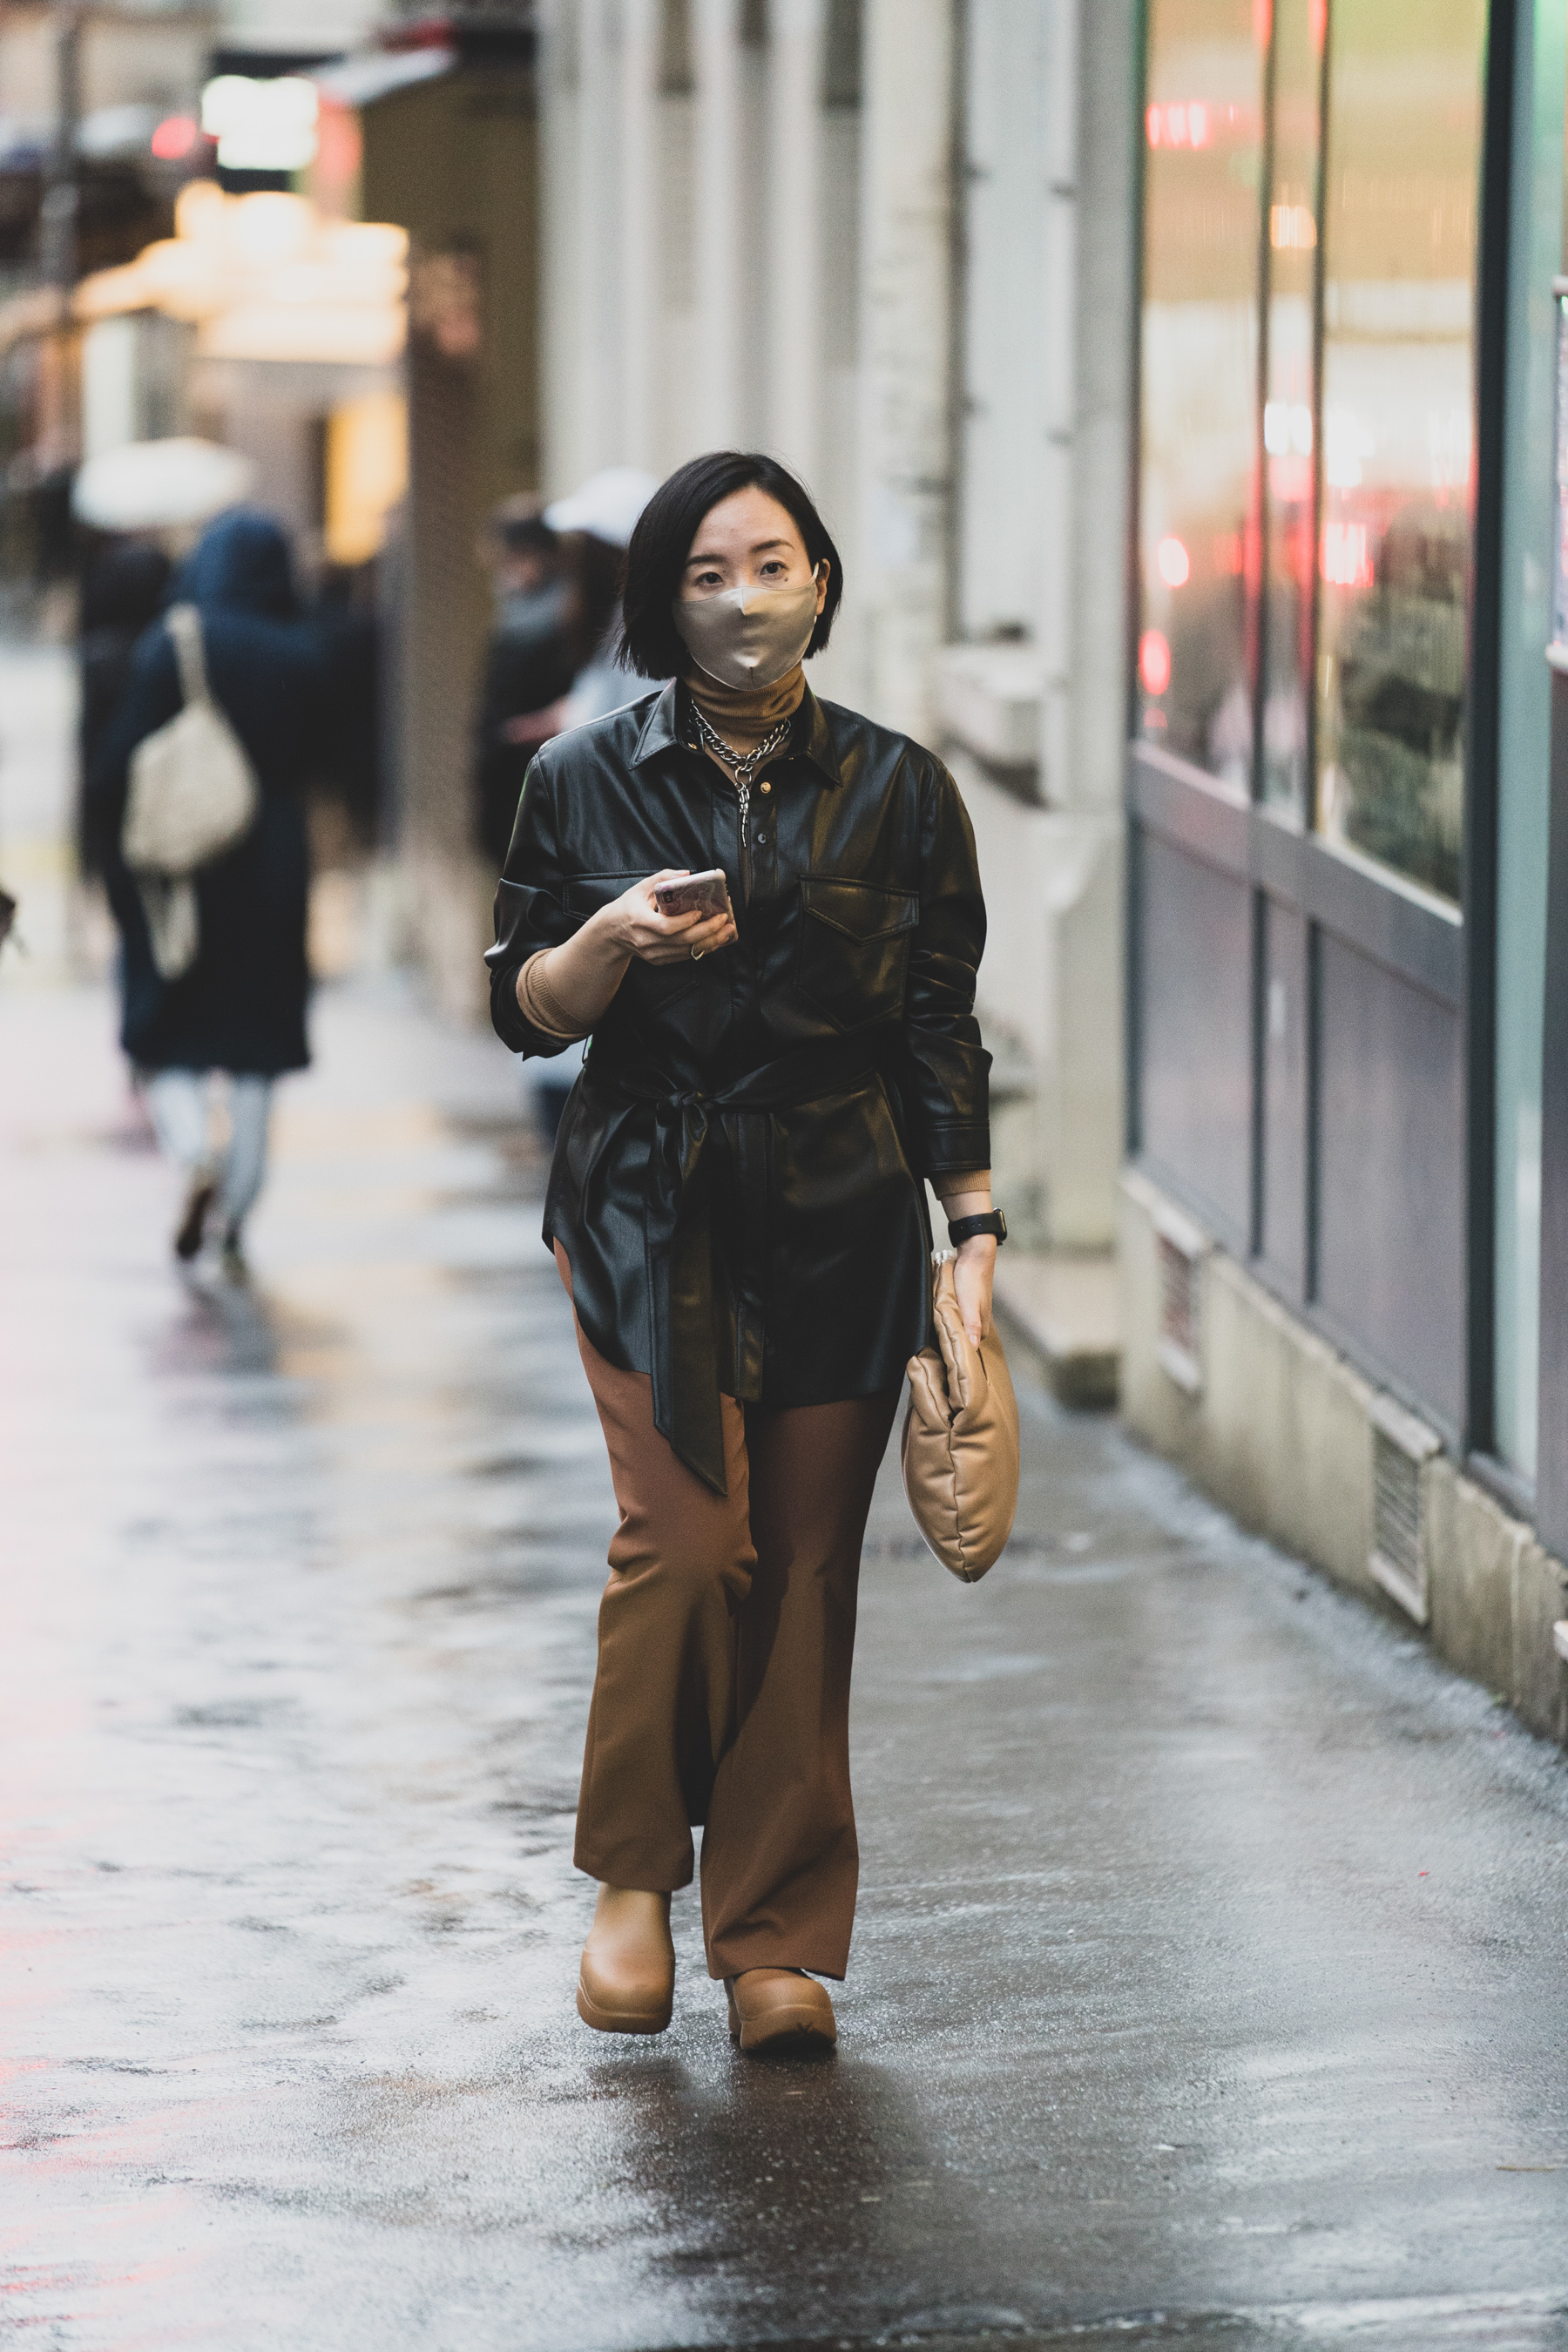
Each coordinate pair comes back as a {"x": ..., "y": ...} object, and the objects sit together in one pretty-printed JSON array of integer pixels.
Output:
[{"x": 726, "y": 1635}]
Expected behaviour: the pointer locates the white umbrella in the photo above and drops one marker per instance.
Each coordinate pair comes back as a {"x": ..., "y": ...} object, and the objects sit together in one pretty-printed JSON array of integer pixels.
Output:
[{"x": 160, "y": 485}]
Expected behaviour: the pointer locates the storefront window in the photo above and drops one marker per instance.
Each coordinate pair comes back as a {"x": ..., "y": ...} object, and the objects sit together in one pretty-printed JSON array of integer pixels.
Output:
[
  {"x": 1524, "y": 744},
  {"x": 1404, "y": 124},
  {"x": 1289, "y": 402},
  {"x": 1200, "y": 527}
]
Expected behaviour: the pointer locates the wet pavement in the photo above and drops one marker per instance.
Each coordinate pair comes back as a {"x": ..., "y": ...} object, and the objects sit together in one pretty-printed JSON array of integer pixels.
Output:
[{"x": 1208, "y": 1986}]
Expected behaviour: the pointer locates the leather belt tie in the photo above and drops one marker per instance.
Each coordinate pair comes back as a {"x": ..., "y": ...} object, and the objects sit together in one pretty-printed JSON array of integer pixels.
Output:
[{"x": 689, "y": 1127}]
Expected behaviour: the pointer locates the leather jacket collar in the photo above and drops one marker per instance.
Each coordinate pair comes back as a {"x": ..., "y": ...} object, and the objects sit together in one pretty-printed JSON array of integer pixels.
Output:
[{"x": 812, "y": 738}]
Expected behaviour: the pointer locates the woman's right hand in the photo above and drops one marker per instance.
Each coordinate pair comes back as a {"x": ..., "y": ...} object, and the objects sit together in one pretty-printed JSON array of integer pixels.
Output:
[{"x": 633, "y": 922}]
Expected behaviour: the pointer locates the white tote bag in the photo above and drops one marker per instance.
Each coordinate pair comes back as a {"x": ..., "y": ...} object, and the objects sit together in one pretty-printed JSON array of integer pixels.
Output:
[{"x": 193, "y": 795}]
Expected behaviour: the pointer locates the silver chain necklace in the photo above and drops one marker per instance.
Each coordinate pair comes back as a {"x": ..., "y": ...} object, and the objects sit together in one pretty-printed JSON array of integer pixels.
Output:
[{"x": 743, "y": 764}]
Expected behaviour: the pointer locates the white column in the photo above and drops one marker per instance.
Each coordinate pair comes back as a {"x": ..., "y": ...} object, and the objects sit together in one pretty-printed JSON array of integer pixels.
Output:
[
  {"x": 1058, "y": 298},
  {"x": 715, "y": 374},
  {"x": 1008, "y": 345},
  {"x": 597, "y": 289},
  {"x": 1091, "y": 131},
  {"x": 797, "y": 161},
  {"x": 906, "y": 208},
  {"x": 640, "y": 232}
]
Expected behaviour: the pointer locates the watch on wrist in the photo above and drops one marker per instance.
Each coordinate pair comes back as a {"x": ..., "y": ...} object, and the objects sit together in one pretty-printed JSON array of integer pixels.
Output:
[{"x": 964, "y": 1229}]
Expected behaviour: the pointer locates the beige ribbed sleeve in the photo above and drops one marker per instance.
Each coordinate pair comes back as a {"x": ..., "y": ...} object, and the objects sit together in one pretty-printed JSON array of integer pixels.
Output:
[
  {"x": 540, "y": 1006},
  {"x": 972, "y": 1180}
]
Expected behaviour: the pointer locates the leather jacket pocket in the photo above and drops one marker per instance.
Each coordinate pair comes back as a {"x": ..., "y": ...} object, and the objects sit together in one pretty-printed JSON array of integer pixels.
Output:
[
  {"x": 651, "y": 987},
  {"x": 854, "y": 949},
  {"x": 657, "y": 986}
]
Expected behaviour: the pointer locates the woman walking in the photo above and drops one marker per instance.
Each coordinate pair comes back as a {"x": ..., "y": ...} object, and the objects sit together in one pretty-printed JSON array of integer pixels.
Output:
[
  {"x": 240, "y": 1006},
  {"x": 736, "y": 1206}
]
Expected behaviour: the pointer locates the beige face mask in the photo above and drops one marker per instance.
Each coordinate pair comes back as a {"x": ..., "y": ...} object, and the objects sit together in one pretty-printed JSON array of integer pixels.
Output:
[{"x": 747, "y": 636}]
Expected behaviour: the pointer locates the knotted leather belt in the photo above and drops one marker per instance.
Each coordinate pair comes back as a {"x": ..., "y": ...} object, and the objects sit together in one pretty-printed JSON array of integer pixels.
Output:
[{"x": 678, "y": 1226}]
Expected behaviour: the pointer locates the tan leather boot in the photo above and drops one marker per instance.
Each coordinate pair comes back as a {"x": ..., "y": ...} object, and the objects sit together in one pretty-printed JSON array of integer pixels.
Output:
[
  {"x": 626, "y": 1983},
  {"x": 777, "y": 2009}
]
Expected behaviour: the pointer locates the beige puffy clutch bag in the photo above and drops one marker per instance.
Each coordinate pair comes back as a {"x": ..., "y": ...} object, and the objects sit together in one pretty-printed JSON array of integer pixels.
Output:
[{"x": 960, "y": 1448}]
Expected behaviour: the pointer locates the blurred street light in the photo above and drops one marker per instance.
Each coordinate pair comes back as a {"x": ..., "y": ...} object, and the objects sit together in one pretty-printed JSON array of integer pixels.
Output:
[
  {"x": 264, "y": 277},
  {"x": 261, "y": 126}
]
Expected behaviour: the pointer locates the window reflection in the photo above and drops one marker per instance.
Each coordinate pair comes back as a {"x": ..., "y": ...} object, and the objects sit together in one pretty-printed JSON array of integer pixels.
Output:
[
  {"x": 1200, "y": 525},
  {"x": 1404, "y": 147},
  {"x": 1289, "y": 465}
]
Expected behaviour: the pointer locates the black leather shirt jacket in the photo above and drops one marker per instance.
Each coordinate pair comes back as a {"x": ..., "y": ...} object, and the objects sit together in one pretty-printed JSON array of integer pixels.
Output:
[{"x": 737, "y": 1178}]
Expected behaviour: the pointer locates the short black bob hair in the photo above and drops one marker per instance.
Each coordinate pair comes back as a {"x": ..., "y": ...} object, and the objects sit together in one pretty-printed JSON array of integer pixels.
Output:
[{"x": 662, "y": 541}]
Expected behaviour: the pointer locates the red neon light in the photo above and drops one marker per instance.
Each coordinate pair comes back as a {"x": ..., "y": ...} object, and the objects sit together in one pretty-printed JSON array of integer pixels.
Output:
[
  {"x": 1154, "y": 661},
  {"x": 173, "y": 138}
]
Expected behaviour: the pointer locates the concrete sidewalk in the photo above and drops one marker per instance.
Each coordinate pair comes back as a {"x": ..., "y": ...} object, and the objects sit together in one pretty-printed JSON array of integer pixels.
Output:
[{"x": 1208, "y": 1984}]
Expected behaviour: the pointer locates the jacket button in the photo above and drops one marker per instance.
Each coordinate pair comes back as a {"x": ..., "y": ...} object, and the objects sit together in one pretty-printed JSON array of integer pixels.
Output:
[
  {"x": 761, "y": 841},
  {"x": 767, "y": 788}
]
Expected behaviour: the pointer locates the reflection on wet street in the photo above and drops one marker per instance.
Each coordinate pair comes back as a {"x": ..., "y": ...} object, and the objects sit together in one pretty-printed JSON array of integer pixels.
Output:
[{"x": 1208, "y": 1980}]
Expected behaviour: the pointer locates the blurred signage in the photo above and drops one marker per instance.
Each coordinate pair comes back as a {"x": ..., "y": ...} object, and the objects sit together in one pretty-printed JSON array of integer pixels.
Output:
[
  {"x": 367, "y": 473},
  {"x": 264, "y": 277}
]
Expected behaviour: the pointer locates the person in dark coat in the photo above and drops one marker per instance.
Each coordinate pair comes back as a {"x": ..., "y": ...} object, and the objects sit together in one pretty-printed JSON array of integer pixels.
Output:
[
  {"x": 240, "y": 1007},
  {"x": 122, "y": 591},
  {"x": 529, "y": 662}
]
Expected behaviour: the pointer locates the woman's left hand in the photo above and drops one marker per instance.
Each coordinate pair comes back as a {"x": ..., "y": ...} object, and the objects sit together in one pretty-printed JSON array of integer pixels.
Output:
[{"x": 973, "y": 1274}]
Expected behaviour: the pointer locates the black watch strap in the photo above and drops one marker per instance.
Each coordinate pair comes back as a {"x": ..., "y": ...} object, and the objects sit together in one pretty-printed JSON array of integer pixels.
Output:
[{"x": 964, "y": 1229}]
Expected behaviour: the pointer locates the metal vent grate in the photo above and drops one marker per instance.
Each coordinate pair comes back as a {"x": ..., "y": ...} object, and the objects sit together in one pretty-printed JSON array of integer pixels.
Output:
[
  {"x": 1401, "y": 1446},
  {"x": 1180, "y": 1248}
]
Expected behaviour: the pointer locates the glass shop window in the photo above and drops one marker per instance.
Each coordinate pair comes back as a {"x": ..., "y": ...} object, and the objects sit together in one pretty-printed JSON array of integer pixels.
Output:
[
  {"x": 1289, "y": 410},
  {"x": 1402, "y": 191},
  {"x": 1200, "y": 527}
]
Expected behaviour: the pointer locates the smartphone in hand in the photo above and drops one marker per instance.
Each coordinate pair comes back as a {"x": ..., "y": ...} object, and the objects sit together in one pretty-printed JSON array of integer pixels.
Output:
[{"x": 694, "y": 894}]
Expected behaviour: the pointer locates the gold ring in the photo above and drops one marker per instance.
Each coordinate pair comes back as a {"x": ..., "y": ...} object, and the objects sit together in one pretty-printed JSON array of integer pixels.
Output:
[{"x": 698, "y": 955}]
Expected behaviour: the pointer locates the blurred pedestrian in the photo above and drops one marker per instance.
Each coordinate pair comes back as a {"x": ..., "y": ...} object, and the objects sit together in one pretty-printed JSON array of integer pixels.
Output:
[
  {"x": 737, "y": 1207},
  {"x": 598, "y": 520},
  {"x": 595, "y": 523},
  {"x": 239, "y": 1008},
  {"x": 122, "y": 592},
  {"x": 528, "y": 662},
  {"x": 348, "y": 764}
]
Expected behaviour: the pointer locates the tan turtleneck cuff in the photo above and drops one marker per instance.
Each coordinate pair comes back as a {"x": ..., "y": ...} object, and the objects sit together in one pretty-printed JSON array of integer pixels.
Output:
[
  {"x": 744, "y": 719},
  {"x": 951, "y": 1184},
  {"x": 538, "y": 1003}
]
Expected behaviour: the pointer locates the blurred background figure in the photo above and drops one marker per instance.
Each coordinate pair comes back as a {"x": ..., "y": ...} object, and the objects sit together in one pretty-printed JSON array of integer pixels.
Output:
[
  {"x": 553, "y": 665},
  {"x": 598, "y": 520},
  {"x": 346, "y": 807},
  {"x": 528, "y": 662},
  {"x": 551, "y": 662},
  {"x": 122, "y": 589},
  {"x": 240, "y": 1007}
]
